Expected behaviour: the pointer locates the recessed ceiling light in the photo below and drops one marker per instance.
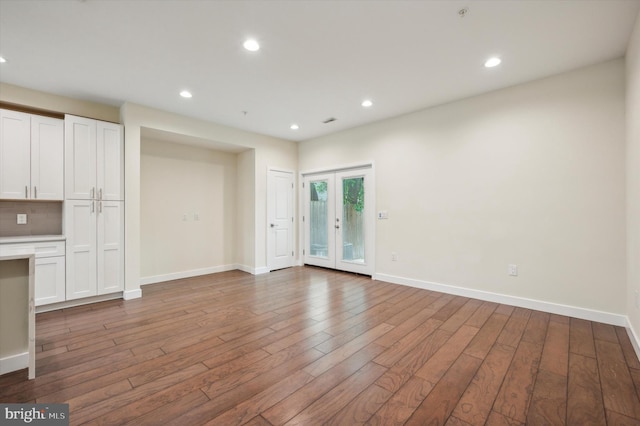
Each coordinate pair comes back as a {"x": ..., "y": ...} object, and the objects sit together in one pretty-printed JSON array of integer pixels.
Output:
[
  {"x": 367, "y": 103},
  {"x": 186, "y": 94},
  {"x": 2, "y": 60},
  {"x": 294, "y": 127},
  {"x": 492, "y": 62},
  {"x": 251, "y": 45}
]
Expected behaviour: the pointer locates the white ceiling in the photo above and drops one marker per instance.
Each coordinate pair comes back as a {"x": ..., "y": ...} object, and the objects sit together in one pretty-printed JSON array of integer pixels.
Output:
[{"x": 318, "y": 59}]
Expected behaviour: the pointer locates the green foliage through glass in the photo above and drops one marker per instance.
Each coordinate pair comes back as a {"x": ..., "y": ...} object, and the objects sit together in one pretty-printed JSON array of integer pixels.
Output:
[{"x": 353, "y": 193}]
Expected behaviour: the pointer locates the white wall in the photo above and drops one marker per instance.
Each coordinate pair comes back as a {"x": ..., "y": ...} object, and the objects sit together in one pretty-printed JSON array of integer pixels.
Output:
[
  {"x": 633, "y": 178},
  {"x": 246, "y": 208},
  {"x": 178, "y": 180},
  {"x": 531, "y": 175}
]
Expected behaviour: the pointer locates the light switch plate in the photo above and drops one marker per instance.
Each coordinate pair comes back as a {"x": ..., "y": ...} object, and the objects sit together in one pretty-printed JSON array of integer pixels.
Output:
[{"x": 21, "y": 219}]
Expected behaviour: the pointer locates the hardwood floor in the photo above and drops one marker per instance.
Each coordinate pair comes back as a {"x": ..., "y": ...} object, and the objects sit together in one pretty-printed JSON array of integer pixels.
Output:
[{"x": 307, "y": 346}]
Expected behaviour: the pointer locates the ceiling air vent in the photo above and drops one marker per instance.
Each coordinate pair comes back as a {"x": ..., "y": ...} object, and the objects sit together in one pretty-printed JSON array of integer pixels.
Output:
[{"x": 329, "y": 120}]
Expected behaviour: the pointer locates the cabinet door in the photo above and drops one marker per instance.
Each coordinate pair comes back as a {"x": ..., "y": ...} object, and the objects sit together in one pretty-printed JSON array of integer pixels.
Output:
[
  {"x": 80, "y": 158},
  {"x": 110, "y": 161},
  {"x": 14, "y": 155},
  {"x": 80, "y": 230},
  {"x": 110, "y": 246},
  {"x": 49, "y": 280},
  {"x": 47, "y": 158}
]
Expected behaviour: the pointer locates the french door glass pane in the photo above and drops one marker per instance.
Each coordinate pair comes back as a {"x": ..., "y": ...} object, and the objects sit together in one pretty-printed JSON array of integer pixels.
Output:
[
  {"x": 318, "y": 217},
  {"x": 353, "y": 219}
]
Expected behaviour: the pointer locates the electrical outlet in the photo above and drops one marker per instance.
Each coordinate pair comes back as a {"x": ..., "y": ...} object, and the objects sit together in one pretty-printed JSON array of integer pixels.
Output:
[
  {"x": 185, "y": 217},
  {"x": 196, "y": 216},
  {"x": 21, "y": 219},
  {"x": 394, "y": 256},
  {"x": 383, "y": 214},
  {"x": 513, "y": 270}
]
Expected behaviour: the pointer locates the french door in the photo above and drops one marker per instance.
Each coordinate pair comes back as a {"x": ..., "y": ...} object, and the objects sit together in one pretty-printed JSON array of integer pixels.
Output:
[{"x": 338, "y": 220}]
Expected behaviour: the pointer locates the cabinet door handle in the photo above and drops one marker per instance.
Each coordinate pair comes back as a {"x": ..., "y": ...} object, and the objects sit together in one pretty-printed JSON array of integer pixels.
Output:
[
  {"x": 93, "y": 192},
  {"x": 26, "y": 191},
  {"x": 100, "y": 194},
  {"x": 100, "y": 207},
  {"x": 93, "y": 206},
  {"x": 35, "y": 192}
]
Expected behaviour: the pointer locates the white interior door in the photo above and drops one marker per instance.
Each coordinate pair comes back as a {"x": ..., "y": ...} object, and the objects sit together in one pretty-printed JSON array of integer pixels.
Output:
[
  {"x": 339, "y": 220},
  {"x": 280, "y": 224}
]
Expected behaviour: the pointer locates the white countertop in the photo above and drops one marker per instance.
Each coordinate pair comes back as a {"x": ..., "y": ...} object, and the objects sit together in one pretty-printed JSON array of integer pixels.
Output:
[{"x": 31, "y": 239}]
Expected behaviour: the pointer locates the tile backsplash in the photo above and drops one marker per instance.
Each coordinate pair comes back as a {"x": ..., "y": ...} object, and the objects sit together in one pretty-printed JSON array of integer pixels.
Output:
[{"x": 43, "y": 218}]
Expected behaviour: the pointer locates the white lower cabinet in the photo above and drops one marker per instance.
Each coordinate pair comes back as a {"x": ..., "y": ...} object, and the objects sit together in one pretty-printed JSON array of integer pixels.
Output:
[
  {"x": 49, "y": 269},
  {"x": 95, "y": 247},
  {"x": 49, "y": 280}
]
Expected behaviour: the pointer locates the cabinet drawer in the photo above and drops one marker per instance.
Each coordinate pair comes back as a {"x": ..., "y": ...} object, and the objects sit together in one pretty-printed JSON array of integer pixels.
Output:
[
  {"x": 42, "y": 248},
  {"x": 49, "y": 249}
]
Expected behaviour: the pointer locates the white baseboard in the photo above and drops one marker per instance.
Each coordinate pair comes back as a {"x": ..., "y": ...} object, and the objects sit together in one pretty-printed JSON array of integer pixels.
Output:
[
  {"x": 633, "y": 336},
  {"x": 78, "y": 302},
  {"x": 538, "y": 305},
  {"x": 14, "y": 363},
  {"x": 186, "y": 274},
  {"x": 132, "y": 294},
  {"x": 261, "y": 270},
  {"x": 252, "y": 270}
]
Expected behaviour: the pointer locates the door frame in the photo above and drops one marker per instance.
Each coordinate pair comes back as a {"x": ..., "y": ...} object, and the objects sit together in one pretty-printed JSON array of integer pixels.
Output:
[
  {"x": 336, "y": 169},
  {"x": 294, "y": 225}
]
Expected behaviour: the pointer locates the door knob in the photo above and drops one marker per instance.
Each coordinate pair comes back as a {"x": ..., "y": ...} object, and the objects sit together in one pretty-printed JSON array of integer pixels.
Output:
[
  {"x": 273, "y": 225},
  {"x": 337, "y": 226}
]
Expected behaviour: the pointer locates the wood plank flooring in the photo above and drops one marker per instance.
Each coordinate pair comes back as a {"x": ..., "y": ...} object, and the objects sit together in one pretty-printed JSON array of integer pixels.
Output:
[{"x": 307, "y": 346}]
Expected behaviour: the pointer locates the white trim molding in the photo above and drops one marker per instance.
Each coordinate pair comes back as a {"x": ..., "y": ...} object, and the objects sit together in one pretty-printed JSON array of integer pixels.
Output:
[
  {"x": 538, "y": 305},
  {"x": 186, "y": 274},
  {"x": 132, "y": 294},
  {"x": 14, "y": 363},
  {"x": 633, "y": 336},
  {"x": 253, "y": 271},
  {"x": 79, "y": 302}
]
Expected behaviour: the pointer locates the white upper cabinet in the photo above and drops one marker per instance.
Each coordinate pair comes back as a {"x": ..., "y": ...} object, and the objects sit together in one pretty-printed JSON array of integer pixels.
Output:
[
  {"x": 31, "y": 157},
  {"x": 15, "y": 148},
  {"x": 80, "y": 158},
  {"x": 94, "y": 152},
  {"x": 110, "y": 162},
  {"x": 47, "y": 158}
]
